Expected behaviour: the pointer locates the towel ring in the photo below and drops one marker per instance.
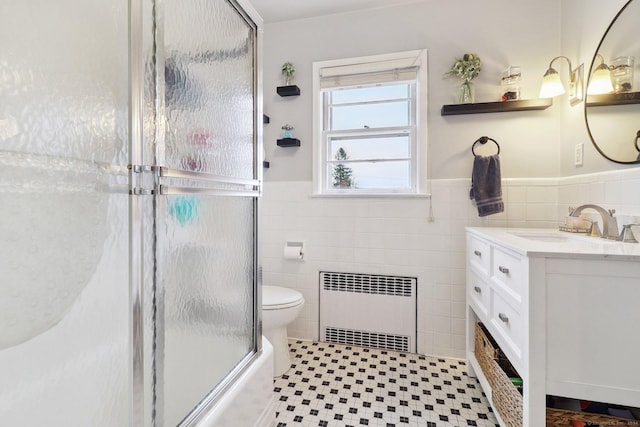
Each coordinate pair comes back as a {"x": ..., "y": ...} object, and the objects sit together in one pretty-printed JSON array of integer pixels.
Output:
[
  {"x": 636, "y": 142},
  {"x": 484, "y": 139}
]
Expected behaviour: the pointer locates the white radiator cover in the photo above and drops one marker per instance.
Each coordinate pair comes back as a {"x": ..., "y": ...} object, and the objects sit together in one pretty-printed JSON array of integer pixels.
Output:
[{"x": 368, "y": 310}]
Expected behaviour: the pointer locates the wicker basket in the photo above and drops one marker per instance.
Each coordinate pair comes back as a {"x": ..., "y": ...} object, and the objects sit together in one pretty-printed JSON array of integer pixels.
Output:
[
  {"x": 563, "y": 418},
  {"x": 506, "y": 398},
  {"x": 485, "y": 347}
]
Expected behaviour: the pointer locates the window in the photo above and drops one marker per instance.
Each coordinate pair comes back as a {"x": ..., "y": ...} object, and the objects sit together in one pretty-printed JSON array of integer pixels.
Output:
[{"x": 369, "y": 125}]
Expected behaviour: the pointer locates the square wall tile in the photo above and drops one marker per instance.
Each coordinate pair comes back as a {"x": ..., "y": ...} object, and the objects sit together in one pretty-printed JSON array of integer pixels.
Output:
[{"x": 379, "y": 236}]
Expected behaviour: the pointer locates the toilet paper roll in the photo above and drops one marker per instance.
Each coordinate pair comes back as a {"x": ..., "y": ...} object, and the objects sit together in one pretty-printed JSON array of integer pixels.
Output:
[{"x": 293, "y": 252}]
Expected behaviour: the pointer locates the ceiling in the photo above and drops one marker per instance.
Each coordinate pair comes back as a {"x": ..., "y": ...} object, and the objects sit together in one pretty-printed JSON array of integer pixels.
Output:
[{"x": 285, "y": 10}]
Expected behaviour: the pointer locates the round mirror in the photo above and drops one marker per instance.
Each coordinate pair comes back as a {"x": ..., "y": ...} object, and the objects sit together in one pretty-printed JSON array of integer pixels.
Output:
[{"x": 612, "y": 114}]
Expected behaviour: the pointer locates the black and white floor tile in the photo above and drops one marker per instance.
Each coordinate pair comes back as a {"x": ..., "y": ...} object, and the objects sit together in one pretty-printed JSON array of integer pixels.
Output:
[{"x": 336, "y": 385}]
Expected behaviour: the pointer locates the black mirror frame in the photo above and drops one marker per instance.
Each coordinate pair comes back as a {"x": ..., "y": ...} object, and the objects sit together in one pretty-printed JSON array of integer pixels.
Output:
[{"x": 591, "y": 67}]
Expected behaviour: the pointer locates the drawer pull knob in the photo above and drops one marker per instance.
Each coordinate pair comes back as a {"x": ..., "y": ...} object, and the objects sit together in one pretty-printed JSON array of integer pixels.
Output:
[
  {"x": 478, "y": 289},
  {"x": 503, "y": 317},
  {"x": 504, "y": 270},
  {"x": 477, "y": 253}
]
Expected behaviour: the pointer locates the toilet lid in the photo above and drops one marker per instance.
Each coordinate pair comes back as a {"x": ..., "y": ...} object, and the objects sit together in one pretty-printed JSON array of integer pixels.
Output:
[{"x": 274, "y": 297}]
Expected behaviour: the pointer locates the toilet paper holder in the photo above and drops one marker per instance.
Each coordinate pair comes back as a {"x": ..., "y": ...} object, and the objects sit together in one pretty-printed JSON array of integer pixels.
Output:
[{"x": 294, "y": 250}]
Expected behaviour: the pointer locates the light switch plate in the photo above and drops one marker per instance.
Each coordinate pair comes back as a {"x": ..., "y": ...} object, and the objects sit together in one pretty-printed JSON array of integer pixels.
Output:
[{"x": 578, "y": 154}]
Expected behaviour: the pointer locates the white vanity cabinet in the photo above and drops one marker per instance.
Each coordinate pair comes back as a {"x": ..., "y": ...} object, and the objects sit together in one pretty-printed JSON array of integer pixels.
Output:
[
  {"x": 496, "y": 291},
  {"x": 565, "y": 310}
]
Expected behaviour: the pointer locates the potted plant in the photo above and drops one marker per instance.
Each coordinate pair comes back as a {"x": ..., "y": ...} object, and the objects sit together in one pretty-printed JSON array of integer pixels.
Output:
[
  {"x": 466, "y": 68},
  {"x": 288, "y": 72}
]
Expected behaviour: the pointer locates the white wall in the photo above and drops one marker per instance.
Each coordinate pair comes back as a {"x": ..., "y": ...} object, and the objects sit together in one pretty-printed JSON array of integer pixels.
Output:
[
  {"x": 393, "y": 236},
  {"x": 501, "y": 32}
]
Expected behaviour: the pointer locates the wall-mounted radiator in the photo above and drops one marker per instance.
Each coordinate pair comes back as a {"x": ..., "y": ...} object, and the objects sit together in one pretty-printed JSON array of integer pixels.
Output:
[{"x": 368, "y": 310}]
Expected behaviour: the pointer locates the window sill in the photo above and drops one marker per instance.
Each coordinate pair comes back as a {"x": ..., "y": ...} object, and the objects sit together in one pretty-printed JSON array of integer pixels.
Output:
[{"x": 372, "y": 195}]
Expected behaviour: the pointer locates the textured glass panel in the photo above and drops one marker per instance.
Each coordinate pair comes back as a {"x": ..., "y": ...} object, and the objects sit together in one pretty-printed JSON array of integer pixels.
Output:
[
  {"x": 64, "y": 218},
  {"x": 205, "y": 274},
  {"x": 60, "y": 84},
  {"x": 209, "y": 89},
  {"x": 204, "y": 72}
]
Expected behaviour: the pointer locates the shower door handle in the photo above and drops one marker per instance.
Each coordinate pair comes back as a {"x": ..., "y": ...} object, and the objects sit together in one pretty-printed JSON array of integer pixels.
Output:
[{"x": 209, "y": 184}]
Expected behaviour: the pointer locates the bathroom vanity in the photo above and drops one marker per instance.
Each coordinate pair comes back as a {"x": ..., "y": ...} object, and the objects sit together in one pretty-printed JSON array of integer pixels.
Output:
[{"x": 563, "y": 308}]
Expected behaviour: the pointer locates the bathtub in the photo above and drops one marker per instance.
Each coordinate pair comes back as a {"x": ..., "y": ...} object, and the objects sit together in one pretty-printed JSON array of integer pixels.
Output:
[{"x": 249, "y": 401}]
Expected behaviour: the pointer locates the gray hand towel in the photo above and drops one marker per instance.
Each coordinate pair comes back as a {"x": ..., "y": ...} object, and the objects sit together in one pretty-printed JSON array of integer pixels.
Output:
[{"x": 486, "y": 185}]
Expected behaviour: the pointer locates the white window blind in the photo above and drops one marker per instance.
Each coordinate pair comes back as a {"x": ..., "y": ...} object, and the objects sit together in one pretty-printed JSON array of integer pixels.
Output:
[{"x": 345, "y": 77}]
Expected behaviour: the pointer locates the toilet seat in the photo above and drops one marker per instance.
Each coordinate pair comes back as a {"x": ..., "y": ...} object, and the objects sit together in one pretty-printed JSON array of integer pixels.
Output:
[{"x": 277, "y": 298}]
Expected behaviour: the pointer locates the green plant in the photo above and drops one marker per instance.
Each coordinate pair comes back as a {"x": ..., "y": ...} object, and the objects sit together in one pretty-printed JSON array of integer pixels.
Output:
[
  {"x": 466, "y": 68},
  {"x": 288, "y": 71},
  {"x": 341, "y": 173}
]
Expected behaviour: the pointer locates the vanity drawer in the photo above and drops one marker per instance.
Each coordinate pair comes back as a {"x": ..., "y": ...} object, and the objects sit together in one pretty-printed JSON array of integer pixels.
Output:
[
  {"x": 507, "y": 321},
  {"x": 479, "y": 254},
  {"x": 479, "y": 292},
  {"x": 509, "y": 270}
]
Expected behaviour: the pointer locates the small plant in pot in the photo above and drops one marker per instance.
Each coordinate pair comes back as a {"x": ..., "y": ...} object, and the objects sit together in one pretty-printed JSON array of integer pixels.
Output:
[
  {"x": 288, "y": 72},
  {"x": 466, "y": 68}
]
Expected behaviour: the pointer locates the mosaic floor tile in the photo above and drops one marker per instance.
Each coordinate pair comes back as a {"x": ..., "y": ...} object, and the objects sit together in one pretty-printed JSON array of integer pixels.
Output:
[{"x": 336, "y": 385}]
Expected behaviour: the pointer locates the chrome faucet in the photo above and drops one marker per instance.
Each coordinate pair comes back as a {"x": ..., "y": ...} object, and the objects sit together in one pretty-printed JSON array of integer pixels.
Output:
[
  {"x": 609, "y": 222},
  {"x": 626, "y": 235}
]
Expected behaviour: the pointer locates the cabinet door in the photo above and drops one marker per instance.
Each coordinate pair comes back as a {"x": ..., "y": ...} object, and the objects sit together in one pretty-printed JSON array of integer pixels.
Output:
[{"x": 592, "y": 330}]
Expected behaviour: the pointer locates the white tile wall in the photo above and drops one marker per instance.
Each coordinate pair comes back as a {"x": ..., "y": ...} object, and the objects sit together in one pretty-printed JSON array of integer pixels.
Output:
[
  {"x": 619, "y": 190},
  {"x": 393, "y": 236}
]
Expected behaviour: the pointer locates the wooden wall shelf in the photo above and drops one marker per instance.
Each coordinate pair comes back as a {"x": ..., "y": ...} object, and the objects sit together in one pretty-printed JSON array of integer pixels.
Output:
[
  {"x": 496, "y": 107},
  {"x": 289, "y": 142},
  {"x": 613, "y": 99},
  {"x": 292, "y": 90}
]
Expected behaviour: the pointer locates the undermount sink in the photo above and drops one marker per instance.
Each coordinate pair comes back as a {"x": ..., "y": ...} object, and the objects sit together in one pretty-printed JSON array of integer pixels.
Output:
[
  {"x": 544, "y": 237},
  {"x": 554, "y": 236}
]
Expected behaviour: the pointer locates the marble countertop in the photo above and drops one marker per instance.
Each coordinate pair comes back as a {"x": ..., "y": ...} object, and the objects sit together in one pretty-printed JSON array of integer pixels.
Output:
[{"x": 544, "y": 242}]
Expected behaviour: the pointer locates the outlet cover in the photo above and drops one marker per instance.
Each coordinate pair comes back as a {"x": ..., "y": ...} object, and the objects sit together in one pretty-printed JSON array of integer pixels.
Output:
[{"x": 578, "y": 153}]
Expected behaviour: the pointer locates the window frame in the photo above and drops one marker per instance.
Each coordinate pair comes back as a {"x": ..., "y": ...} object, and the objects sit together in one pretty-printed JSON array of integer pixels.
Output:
[{"x": 416, "y": 129}]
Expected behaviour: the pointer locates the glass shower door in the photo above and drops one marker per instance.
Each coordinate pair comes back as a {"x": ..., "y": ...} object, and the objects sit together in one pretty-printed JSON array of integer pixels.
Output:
[
  {"x": 207, "y": 205},
  {"x": 64, "y": 303},
  {"x": 127, "y": 219}
]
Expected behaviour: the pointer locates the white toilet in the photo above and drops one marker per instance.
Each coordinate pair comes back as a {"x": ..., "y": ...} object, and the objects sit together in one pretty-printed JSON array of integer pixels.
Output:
[{"x": 280, "y": 306}]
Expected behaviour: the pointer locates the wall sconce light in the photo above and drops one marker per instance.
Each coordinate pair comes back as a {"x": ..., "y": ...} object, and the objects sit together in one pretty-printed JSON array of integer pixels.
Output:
[
  {"x": 600, "y": 81},
  {"x": 552, "y": 85}
]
